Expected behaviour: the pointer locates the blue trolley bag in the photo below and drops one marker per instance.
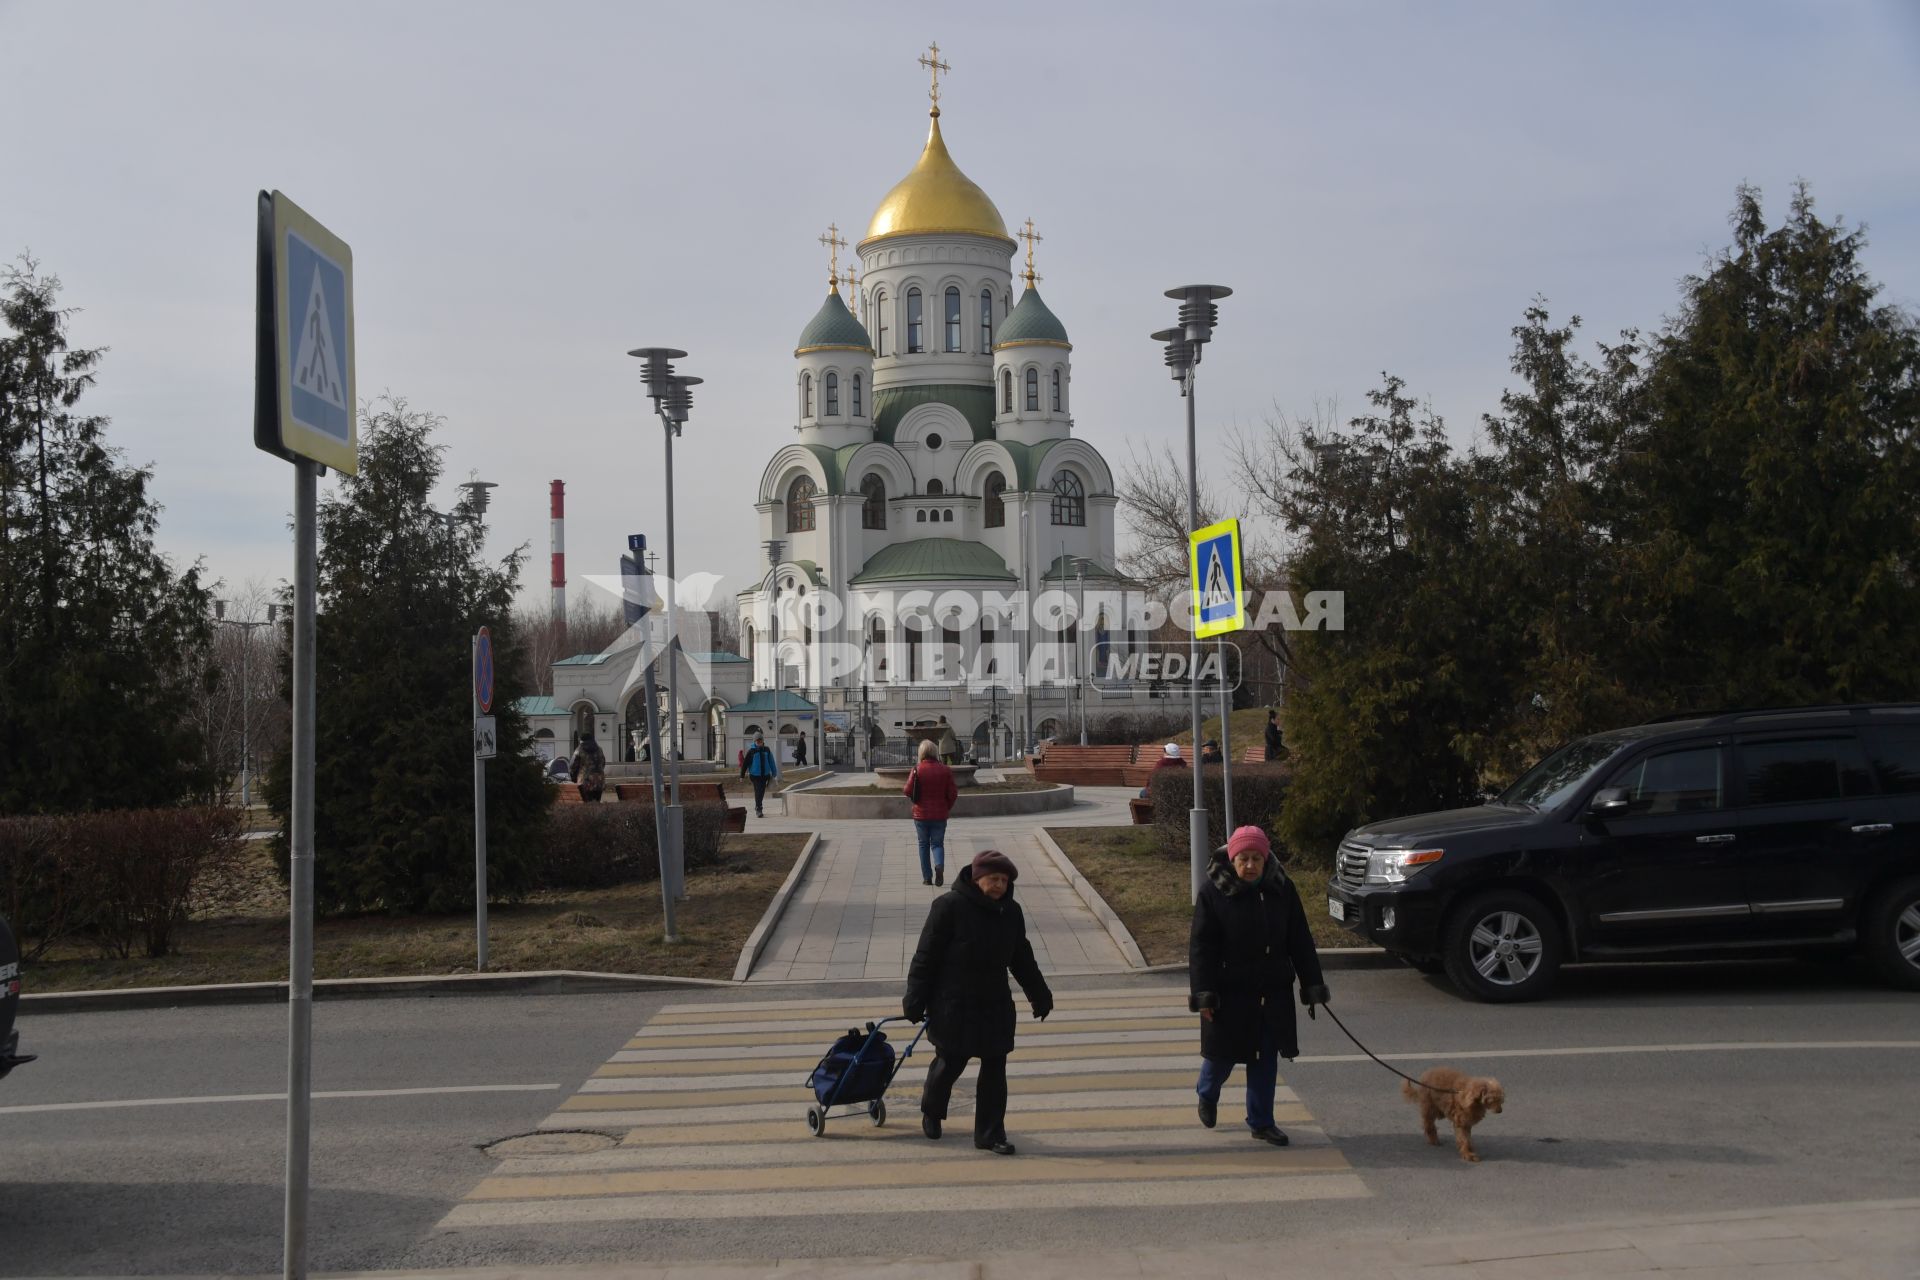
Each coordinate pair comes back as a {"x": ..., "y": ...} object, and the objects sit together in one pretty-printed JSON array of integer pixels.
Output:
[{"x": 857, "y": 1068}]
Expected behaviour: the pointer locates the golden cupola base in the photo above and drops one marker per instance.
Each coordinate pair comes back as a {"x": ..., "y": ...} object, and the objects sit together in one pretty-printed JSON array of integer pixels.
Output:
[{"x": 936, "y": 199}]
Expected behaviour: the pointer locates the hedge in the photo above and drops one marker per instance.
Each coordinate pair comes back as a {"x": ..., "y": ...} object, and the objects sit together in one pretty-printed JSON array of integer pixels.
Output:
[
  {"x": 592, "y": 846},
  {"x": 125, "y": 878},
  {"x": 1259, "y": 794}
]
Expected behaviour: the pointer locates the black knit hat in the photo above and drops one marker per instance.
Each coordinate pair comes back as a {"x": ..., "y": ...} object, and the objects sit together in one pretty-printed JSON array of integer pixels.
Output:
[{"x": 989, "y": 862}]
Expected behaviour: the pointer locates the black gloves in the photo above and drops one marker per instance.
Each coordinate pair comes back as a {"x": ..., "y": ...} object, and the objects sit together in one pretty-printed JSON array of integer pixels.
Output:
[
  {"x": 913, "y": 1014},
  {"x": 1315, "y": 994},
  {"x": 1041, "y": 1008}
]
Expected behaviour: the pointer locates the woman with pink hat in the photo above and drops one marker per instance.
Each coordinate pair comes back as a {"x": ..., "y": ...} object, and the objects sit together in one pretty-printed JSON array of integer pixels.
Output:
[{"x": 1249, "y": 943}]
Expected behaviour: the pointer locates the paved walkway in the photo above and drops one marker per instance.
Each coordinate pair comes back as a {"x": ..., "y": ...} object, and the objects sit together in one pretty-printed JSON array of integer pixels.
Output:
[
  {"x": 1875, "y": 1240},
  {"x": 859, "y": 910}
]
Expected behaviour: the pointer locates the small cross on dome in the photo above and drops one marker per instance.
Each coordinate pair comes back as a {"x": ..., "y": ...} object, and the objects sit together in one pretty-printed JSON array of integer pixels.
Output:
[{"x": 931, "y": 61}]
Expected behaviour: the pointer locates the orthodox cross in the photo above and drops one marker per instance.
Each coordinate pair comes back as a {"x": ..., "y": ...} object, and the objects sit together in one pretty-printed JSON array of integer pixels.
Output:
[
  {"x": 931, "y": 61},
  {"x": 834, "y": 244},
  {"x": 853, "y": 291},
  {"x": 1030, "y": 236}
]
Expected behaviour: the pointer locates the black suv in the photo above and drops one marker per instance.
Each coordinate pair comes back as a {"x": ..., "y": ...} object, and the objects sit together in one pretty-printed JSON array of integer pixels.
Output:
[{"x": 1794, "y": 829}]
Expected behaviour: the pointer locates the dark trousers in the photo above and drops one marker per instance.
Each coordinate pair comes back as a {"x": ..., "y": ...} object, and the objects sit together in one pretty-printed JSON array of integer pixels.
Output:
[
  {"x": 1263, "y": 1077},
  {"x": 990, "y": 1094},
  {"x": 759, "y": 792}
]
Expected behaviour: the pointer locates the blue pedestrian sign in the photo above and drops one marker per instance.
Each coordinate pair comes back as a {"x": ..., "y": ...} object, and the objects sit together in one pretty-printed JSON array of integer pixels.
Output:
[
  {"x": 483, "y": 670},
  {"x": 304, "y": 404},
  {"x": 1219, "y": 595}
]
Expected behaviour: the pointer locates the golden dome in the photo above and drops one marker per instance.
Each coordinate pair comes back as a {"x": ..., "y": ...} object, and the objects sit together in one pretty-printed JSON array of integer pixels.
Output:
[{"x": 936, "y": 197}]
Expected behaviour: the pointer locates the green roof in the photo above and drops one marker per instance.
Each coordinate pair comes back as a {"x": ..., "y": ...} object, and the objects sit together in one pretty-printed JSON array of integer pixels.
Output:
[
  {"x": 834, "y": 326},
  {"x": 975, "y": 404},
  {"x": 1062, "y": 569},
  {"x": 1030, "y": 321},
  {"x": 715, "y": 657},
  {"x": 762, "y": 700},
  {"x": 584, "y": 660},
  {"x": 926, "y": 559},
  {"x": 1027, "y": 459},
  {"x": 829, "y": 463},
  {"x": 538, "y": 705}
]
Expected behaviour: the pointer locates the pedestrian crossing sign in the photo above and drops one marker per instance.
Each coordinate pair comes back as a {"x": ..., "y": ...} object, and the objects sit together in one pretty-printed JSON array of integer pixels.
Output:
[
  {"x": 304, "y": 404},
  {"x": 1219, "y": 596}
]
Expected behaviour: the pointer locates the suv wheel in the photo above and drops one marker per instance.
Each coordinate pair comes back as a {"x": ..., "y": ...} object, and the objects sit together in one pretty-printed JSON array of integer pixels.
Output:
[
  {"x": 1503, "y": 946},
  {"x": 1893, "y": 934}
]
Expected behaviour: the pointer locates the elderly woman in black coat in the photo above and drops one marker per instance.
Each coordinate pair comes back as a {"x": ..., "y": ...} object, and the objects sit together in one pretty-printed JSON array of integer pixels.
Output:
[
  {"x": 974, "y": 936},
  {"x": 1249, "y": 943}
]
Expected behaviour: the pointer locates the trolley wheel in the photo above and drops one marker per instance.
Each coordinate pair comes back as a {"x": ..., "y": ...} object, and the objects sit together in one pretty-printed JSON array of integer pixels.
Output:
[
  {"x": 878, "y": 1110},
  {"x": 816, "y": 1121}
]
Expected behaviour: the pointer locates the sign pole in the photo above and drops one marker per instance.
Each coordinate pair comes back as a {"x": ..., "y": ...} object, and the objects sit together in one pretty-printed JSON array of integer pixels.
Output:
[
  {"x": 479, "y": 816},
  {"x": 1226, "y": 738},
  {"x": 300, "y": 957}
]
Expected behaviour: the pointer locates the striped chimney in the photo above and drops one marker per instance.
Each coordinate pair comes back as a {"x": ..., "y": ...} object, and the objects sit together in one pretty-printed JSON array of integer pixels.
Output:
[{"x": 558, "y": 492}]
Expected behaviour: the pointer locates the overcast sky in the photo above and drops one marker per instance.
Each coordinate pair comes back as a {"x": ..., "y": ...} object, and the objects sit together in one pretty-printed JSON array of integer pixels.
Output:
[{"x": 530, "y": 191}]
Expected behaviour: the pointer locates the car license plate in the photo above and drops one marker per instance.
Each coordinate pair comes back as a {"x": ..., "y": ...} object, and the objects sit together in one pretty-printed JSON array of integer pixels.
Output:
[{"x": 1336, "y": 908}]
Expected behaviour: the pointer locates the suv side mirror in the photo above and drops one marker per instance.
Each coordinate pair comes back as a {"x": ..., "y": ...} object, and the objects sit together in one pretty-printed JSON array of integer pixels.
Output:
[{"x": 1610, "y": 802}]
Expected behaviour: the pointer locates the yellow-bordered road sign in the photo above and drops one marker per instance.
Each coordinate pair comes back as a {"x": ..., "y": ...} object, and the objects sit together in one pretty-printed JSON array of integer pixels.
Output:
[
  {"x": 1219, "y": 600},
  {"x": 304, "y": 403}
]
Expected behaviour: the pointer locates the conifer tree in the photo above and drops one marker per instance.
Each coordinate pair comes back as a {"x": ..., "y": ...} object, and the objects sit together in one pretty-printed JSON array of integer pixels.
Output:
[
  {"x": 401, "y": 594},
  {"x": 101, "y": 642}
]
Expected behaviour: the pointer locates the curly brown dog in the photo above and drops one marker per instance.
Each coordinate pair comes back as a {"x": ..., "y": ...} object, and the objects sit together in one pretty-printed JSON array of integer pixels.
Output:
[{"x": 1463, "y": 1099}]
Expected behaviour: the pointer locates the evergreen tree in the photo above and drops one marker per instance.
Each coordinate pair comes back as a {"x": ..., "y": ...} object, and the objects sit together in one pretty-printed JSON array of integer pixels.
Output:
[
  {"x": 1767, "y": 513},
  {"x": 101, "y": 642},
  {"x": 401, "y": 594}
]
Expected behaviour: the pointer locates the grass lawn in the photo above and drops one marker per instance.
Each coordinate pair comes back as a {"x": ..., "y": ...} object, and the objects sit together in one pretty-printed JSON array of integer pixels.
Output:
[
  {"x": 602, "y": 930},
  {"x": 1248, "y": 729},
  {"x": 1149, "y": 891}
]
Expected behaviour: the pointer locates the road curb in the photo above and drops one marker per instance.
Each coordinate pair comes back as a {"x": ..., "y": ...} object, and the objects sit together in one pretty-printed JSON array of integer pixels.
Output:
[
  {"x": 550, "y": 982},
  {"x": 1331, "y": 959},
  {"x": 1109, "y": 920},
  {"x": 763, "y": 932}
]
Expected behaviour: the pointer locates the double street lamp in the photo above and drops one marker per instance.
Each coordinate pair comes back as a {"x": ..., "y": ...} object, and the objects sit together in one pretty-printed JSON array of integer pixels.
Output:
[
  {"x": 672, "y": 396},
  {"x": 1184, "y": 345}
]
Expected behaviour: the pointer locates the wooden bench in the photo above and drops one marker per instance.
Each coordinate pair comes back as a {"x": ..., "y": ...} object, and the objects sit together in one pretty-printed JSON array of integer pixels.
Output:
[
  {"x": 1140, "y": 809},
  {"x": 691, "y": 793},
  {"x": 1084, "y": 766}
]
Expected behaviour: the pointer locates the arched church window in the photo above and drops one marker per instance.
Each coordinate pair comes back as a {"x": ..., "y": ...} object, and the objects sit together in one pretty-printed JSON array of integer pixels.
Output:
[
  {"x": 953, "y": 317},
  {"x": 934, "y": 486},
  {"x": 873, "y": 506},
  {"x": 914, "y": 344},
  {"x": 806, "y": 395},
  {"x": 749, "y": 641},
  {"x": 1033, "y": 390},
  {"x": 1056, "y": 392},
  {"x": 946, "y": 517},
  {"x": 995, "y": 506},
  {"x": 986, "y": 321},
  {"x": 919, "y": 517},
  {"x": 880, "y": 310},
  {"x": 856, "y": 395},
  {"x": 1069, "y": 499},
  {"x": 833, "y": 394},
  {"x": 800, "y": 505},
  {"x": 877, "y": 647},
  {"x": 1006, "y": 391}
]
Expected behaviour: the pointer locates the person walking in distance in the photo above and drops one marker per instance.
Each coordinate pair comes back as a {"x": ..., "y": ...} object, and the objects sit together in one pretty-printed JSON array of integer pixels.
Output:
[
  {"x": 800, "y": 752},
  {"x": 949, "y": 743},
  {"x": 1275, "y": 744},
  {"x": 589, "y": 770},
  {"x": 1248, "y": 943},
  {"x": 974, "y": 937},
  {"x": 759, "y": 766},
  {"x": 931, "y": 788}
]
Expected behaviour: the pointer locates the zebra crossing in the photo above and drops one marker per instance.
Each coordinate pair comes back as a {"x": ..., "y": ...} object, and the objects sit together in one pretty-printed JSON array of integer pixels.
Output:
[{"x": 703, "y": 1113}]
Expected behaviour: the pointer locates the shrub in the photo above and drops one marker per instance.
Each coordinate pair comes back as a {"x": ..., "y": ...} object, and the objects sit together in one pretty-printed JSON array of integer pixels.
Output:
[
  {"x": 592, "y": 846},
  {"x": 1259, "y": 795},
  {"x": 128, "y": 877}
]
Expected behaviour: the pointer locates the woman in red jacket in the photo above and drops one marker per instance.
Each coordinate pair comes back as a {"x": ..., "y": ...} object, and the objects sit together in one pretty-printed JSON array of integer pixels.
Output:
[{"x": 932, "y": 790}]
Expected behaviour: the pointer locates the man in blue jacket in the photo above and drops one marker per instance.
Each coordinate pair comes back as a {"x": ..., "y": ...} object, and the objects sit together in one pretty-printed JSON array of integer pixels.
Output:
[{"x": 760, "y": 766}]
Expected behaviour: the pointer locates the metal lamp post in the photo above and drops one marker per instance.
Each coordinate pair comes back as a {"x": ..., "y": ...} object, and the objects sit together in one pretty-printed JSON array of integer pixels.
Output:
[
  {"x": 246, "y": 626},
  {"x": 672, "y": 396},
  {"x": 1079, "y": 647},
  {"x": 1184, "y": 345},
  {"x": 776, "y": 547}
]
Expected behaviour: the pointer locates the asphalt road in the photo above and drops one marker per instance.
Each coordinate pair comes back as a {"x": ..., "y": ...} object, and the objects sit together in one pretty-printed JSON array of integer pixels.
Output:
[{"x": 1612, "y": 1120}]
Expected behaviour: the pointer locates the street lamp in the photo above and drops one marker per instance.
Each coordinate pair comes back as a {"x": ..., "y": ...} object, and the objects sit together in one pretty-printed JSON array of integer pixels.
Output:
[
  {"x": 672, "y": 396},
  {"x": 246, "y": 626},
  {"x": 776, "y": 547},
  {"x": 1184, "y": 347}
]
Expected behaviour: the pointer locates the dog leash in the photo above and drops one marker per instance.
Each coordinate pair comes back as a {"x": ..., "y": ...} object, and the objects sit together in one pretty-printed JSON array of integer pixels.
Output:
[{"x": 1370, "y": 1053}]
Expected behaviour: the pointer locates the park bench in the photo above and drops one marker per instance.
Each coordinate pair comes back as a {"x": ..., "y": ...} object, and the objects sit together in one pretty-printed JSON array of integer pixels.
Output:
[
  {"x": 1140, "y": 809},
  {"x": 690, "y": 793},
  {"x": 1084, "y": 766}
]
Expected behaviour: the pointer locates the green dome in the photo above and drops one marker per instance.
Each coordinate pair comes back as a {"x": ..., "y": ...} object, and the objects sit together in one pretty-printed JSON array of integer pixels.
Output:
[
  {"x": 1031, "y": 322},
  {"x": 834, "y": 326}
]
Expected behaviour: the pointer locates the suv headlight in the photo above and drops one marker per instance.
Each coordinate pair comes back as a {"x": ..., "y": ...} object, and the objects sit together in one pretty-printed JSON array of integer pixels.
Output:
[{"x": 1393, "y": 866}]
